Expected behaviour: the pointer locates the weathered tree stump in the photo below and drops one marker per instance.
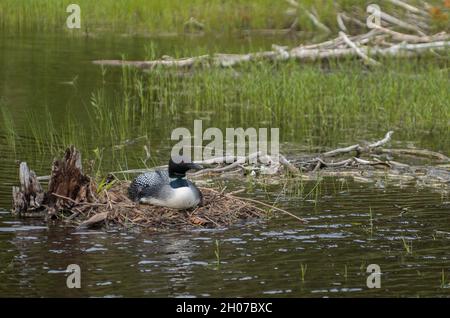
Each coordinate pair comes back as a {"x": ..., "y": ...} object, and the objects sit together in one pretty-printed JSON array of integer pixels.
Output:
[
  {"x": 29, "y": 196},
  {"x": 68, "y": 186}
]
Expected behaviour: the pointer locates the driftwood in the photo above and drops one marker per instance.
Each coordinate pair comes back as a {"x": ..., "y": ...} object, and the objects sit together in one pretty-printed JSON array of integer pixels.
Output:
[
  {"x": 352, "y": 161},
  {"x": 365, "y": 162},
  {"x": 358, "y": 148},
  {"x": 299, "y": 53},
  {"x": 370, "y": 150},
  {"x": 381, "y": 41},
  {"x": 321, "y": 161}
]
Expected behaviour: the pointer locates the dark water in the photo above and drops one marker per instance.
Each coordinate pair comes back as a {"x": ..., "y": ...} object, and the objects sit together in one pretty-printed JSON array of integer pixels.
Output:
[
  {"x": 351, "y": 225},
  {"x": 256, "y": 259}
]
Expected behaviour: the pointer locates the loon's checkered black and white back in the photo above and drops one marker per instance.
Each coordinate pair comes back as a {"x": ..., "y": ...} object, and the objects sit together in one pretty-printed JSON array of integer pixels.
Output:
[{"x": 148, "y": 184}]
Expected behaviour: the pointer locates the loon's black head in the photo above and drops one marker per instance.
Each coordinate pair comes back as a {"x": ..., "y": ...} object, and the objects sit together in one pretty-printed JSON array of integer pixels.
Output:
[{"x": 179, "y": 167}]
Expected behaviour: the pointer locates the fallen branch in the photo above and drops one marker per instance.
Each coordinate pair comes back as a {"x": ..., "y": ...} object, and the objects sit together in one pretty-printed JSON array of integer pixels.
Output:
[
  {"x": 361, "y": 54},
  {"x": 315, "y": 20},
  {"x": 400, "y": 23},
  {"x": 408, "y": 7},
  {"x": 358, "y": 148},
  {"x": 417, "y": 152},
  {"x": 275, "y": 208},
  {"x": 170, "y": 63},
  {"x": 414, "y": 38},
  {"x": 383, "y": 141},
  {"x": 341, "y": 23}
]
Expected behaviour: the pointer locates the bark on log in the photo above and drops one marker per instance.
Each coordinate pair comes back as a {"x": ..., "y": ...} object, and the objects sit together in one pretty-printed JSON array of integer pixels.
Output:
[
  {"x": 67, "y": 180},
  {"x": 29, "y": 196}
]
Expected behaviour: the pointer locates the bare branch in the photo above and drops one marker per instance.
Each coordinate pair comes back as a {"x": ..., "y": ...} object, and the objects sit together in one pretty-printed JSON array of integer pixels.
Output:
[{"x": 361, "y": 54}]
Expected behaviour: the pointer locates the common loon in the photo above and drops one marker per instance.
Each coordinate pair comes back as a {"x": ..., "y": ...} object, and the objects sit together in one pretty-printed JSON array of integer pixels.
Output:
[{"x": 168, "y": 188}]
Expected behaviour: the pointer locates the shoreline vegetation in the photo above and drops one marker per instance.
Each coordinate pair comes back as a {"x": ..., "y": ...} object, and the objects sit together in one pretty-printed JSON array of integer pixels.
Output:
[
  {"x": 327, "y": 105},
  {"x": 322, "y": 100},
  {"x": 170, "y": 18}
]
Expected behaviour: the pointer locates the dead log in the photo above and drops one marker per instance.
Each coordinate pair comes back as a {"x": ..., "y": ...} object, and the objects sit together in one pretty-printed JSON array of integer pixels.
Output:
[{"x": 299, "y": 53}]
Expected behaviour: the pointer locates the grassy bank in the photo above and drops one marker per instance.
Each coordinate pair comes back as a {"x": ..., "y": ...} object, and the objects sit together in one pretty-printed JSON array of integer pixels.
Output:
[
  {"x": 161, "y": 16},
  {"x": 316, "y": 105}
]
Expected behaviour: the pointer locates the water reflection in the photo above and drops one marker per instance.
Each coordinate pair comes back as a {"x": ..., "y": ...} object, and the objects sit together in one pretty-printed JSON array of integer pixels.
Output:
[{"x": 256, "y": 259}]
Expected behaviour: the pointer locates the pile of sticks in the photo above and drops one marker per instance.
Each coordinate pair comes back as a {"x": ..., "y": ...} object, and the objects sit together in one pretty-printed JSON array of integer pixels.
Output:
[
  {"x": 114, "y": 209},
  {"x": 392, "y": 37},
  {"x": 372, "y": 153}
]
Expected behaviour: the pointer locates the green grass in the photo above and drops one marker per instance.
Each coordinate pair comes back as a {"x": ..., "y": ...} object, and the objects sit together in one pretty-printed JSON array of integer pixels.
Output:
[
  {"x": 303, "y": 269},
  {"x": 315, "y": 105},
  {"x": 152, "y": 16},
  {"x": 217, "y": 253},
  {"x": 156, "y": 16},
  {"x": 407, "y": 245},
  {"x": 8, "y": 127}
]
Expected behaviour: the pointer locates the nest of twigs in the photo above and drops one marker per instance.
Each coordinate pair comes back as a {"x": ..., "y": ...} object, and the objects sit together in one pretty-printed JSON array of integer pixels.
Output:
[{"x": 114, "y": 208}]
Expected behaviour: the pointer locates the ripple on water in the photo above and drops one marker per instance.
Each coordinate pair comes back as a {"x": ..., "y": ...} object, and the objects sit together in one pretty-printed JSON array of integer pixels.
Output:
[
  {"x": 275, "y": 292},
  {"x": 147, "y": 262},
  {"x": 57, "y": 271},
  {"x": 23, "y": 228},
  {"x": 87, "y": 233},
  {"x": 95, "y": 249}
]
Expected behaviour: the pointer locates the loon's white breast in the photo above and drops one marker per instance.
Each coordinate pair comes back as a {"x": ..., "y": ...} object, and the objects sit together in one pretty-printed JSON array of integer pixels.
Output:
[{"x": 179, "y": 198}]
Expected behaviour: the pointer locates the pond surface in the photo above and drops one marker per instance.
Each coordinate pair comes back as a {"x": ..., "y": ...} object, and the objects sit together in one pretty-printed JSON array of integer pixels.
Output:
[{"x": 351, "y": 225}]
